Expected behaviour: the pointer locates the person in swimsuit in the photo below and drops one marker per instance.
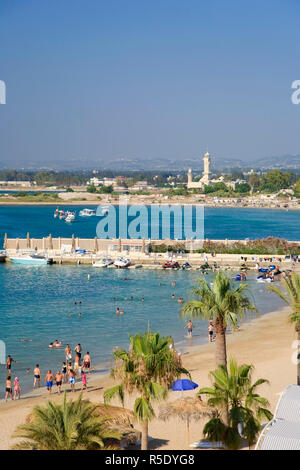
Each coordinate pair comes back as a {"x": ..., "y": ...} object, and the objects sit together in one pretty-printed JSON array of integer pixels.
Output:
[
  {"x": 84, "y": 380},
  {"x": 37, "y": 376},
  {"x": 77, "y": 363},
  {"x": 78, "y": 350},
  {"x": 117, "y": 310},
  {"x": 68, "y": 353},
  {"x": 8, "y": 388},
  {"x": 49, "y": 381},
  {"x": 58, "y": 379},
  {"x": 64, "y": 372},
  {"x": 72, "y": 379},
  {"x": 210, "y": 332},
  {"x": 87, "y": 362},
  {"x": 190, "y": 327},
  {"x": 17, "y": 389},
  {"x": 9, "y": 362}
]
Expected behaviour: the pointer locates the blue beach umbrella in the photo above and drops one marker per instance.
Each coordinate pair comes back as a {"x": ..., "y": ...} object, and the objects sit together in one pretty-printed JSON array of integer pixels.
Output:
[{"x": 183, "y": 384}]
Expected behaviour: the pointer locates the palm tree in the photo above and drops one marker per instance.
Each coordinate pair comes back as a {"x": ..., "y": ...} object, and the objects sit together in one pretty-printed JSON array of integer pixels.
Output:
[
  {"x": 65, "y": 426},
  {"x": 292, "y": 297},
  {"x": 223, "y": 303},
  {"x": 148, "y": 368},
  {"x": 234, "y": 395}
]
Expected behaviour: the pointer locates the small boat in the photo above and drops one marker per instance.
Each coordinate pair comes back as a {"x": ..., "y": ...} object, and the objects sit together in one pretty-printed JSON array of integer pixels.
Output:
[
  {"x": 62, "y": 215},
  {"x": 70, "y": 217},
  {"x": 87, "y": 213},
  {"x": 171, "y": 264},
  {"x": 186, "y": 265},
  {"x": 122, "y": 263},
  {"x": 36, "y": 260},
  {"x": 103, "y": 263}
]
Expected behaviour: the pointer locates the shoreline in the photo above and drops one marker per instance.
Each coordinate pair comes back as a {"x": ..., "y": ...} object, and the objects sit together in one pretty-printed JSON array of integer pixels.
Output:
[
  {"x": 147, "y": 203},
  {"x": 264, "y": 341}
]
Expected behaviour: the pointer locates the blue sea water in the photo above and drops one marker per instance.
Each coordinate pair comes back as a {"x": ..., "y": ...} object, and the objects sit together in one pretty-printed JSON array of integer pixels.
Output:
[
  {"x": 219, "y": 223},
  {"x": 36, "y": 303}
]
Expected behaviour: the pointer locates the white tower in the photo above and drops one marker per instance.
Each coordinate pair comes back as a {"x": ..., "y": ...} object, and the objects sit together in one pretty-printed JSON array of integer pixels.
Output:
[
  {"x": 206, "y": 173},
  {"x": 190, "y": 176}
]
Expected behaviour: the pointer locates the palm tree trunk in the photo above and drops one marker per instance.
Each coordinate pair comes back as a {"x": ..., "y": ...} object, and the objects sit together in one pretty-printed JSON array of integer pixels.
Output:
[
  {"x": 221, "y": 355},
  {"x": 144, "y": 445},
  {"x": 188, "y": 432}
]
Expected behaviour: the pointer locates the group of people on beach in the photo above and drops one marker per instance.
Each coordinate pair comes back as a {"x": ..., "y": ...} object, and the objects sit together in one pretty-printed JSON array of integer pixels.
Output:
[{"x": 67, "y": 373}]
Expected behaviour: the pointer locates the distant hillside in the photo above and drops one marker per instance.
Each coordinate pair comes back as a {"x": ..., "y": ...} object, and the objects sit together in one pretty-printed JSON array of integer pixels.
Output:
[{"x": 285, "y": 162}]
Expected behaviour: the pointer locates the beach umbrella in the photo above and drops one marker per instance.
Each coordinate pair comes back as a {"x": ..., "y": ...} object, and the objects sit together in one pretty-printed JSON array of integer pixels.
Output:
[
  {"x": 183, "y": 384},
  {"x": 186, "y": 409}
]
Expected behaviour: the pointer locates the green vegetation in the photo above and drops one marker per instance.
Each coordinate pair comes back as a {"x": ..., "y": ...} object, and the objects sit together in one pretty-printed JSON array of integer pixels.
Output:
[
  {"x": 71, "y": 425},
  {"x": 265, "y": 246},
  {"x": 148, "y": 368},
  {"x": 23, "y": 196},
  {"x": 224, "y": 303},
  {"x": 240, "y": 408}
]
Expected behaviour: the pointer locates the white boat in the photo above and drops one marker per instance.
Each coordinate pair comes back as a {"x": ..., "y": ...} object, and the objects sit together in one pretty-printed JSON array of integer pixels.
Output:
[
  {"x": 122, "y": 263},
  {"x": 30, "y": 259},
  {"x": 87, "y": 213},
  {"x": 70, "y": 217},
  {"x": 103, "y": 263}
]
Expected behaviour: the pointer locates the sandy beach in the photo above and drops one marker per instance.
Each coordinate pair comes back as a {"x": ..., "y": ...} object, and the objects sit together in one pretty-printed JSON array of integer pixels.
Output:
[{"x": 265, "y": 342}]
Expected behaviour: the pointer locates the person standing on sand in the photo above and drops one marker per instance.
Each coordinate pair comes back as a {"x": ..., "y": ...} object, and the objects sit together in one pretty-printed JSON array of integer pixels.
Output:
[
  {"x": 211, "y": 332},
  {"x": 84, "y": 380},
  {"x": 72, "y": 379},
  {"x": 8, "y": 388},
  {"x": 190, "y": 327},
  {"x": 59, "y": 379},
  {"x": 37, "y": 376},
  {"x": 17, "y": 389},
  {"x": 49, "y": 381}
]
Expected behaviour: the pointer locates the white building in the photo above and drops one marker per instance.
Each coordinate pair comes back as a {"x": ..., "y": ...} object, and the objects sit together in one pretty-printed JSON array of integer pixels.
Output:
[{"x": 205, "y": 180}]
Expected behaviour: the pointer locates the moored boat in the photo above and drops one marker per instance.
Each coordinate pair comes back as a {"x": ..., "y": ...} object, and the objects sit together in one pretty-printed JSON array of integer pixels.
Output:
[
  {"x": 36, "y": 260},
  {"x": 103, "y": 263},
  {"x": 87, "y": 213},
  {"x": 122, "y": 263}
]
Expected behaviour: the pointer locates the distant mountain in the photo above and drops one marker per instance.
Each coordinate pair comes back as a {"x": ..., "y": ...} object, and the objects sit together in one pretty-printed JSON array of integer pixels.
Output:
[{"x": 284, "y": 162}]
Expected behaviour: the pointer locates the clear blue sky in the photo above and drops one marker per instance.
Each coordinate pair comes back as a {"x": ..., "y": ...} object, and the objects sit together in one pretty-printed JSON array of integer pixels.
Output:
[{"x": 149, "y": 79}]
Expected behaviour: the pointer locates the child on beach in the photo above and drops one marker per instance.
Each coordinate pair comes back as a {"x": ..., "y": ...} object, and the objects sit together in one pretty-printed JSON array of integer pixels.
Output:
[
  {"x": 17, "y": 389},
  {"x": 84, "y": 380}
]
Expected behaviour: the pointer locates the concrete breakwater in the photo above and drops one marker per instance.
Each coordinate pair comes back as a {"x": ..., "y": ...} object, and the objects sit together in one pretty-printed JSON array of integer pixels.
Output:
[{"x": 85, "y": 251}]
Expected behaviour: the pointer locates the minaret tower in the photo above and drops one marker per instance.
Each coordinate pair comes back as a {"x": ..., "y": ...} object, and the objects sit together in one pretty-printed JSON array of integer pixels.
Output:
[
  {"x": 190, "y": 176},
  {"x": 206, "y": 173}
]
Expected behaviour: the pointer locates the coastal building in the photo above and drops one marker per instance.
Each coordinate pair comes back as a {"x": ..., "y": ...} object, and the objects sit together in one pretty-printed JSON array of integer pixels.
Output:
[{"x": 205, "y": 180}]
